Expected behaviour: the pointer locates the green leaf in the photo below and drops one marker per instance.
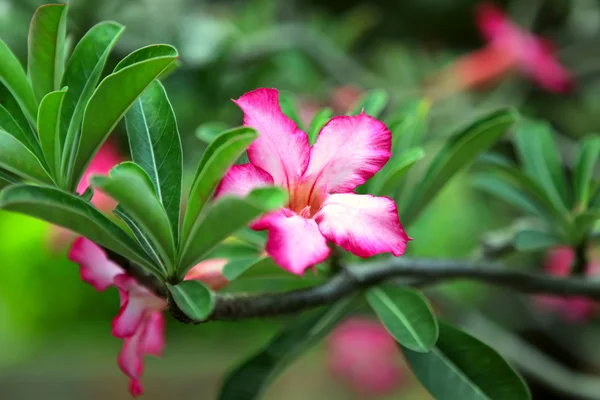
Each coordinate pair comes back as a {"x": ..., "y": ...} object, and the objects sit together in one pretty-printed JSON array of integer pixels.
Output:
[
  {"x": 193, "y": 298},
  {"x": 409, "y": 125},
  {"x": 8, "y": 178},
  {"x": 13, "y": 77},
  {"x": 462, "y": 367},
  {"x": 81, "y": 76},
  {"x": 209, "y": 131},
  {"x": 46, "y": 48},
  {"x": 289, "y": 108},
  {"x": 317, "y": 123},
  {"x": 111, "y": 100},
  {"x": 238, "y": 266},
  {"x": 534, "y": 240},
  {"x": 9, "y": 124},
  {"x": 389, "y": 178},
  {"x": 460, "y": 151},
  {"x": 132, "y": 188},
  {"x": 541, "y": 160},
  {"x": 15, "y": 122},
  {"x": 156, "y": 147},
  {"x": 74, "y": 213},
  {"x": 215, "y": 162},
  {"x": 582, "y": 227},
  {"x": 589, "y": 151},
  {"x": 147, "y": 53},
  {"x": 140, "y": 235},
  {"x": 48, "y": 125},
  {"x": 406, "y": 315},
  {"x": 250, "y": 380},
  {"x": 18, "y": 159},
  {"x": 223, "y": 218},
  {"x": 373, "y": 102}
]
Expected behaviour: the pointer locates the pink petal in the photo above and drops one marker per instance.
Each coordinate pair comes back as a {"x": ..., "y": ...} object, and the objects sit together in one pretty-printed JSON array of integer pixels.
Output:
[
  {"x": 362, "y": 224},
  {"x": 295, "y": 243},
  {"x": 282, "y": 149},
  {"x": 95, "y": 268},
  {"x": 242, "y": 179},
  {"x": 492, "y": 21},
  {"x": 131, "y": 363},
  {"x": 539, "y": 62},
  {"x": 348, "y": 151},
  {"x": 559, "y": 260},
  {"x": 107, "y": 157},
  {"x": 153, "y": 342},
  {"x": 210, "y": 272}
]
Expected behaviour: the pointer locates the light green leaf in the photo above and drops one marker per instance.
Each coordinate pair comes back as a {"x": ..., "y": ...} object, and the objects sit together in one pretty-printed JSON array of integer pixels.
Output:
[
  {"x": 388, "y": 180},
  {"x": 13, "y": 77},
  {"x": 193, "y": 298},
  {"x": 215, "y": 162},
  {"x": 46, "y": 48},
  {"x": 146, "y": 53},
  {"x": 74, "y": 213},
  {"x": 289, "y": 107},
  {"x": 238, "y": 266},
  {"x": 81, "y": 77},
  {"x": 534, "y": 240},
  {"x": 589, "y": 151},
  {"x": 132, "y": 188},
  {"x": 406, "y": 315},
  {"x": 209, "y": 131},
  {"x": 373, "y": 102},
  {"x": 223, "y": 218},
  {"x": 409, "y": 125},
  {"x": 18, "y": 159},
  {"x": 48, "y": 126},
  {"x": 462, "y": 367},
  {"x": 109, "y": 103},
  {"x": 155, "y": 146},
  {"x": 317, "y": 123},
  {"x": 460, "y": 151},
  {"x": 250, "y": 380}
]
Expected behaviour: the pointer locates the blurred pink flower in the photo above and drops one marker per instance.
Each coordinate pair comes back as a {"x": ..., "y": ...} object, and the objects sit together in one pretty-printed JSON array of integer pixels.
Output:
[
  {"x": 574, "y": 309},
  {"x": 140, "y": 321},
  {"x": 320, "y": 181},
  {"x": 362, "y": 354}
]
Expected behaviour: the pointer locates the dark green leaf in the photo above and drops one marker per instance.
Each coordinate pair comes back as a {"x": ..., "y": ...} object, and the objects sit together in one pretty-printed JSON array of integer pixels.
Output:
[
  {"x": 386, "y": 181},
  {"x": 48, "y": 125},
  {"x": 111, "y": 100},
  {"x": 589, "y": 151},
  {"x": 146, "y": 53},
  {"x": 460, "y": 151},
  {"x": 13, "y": 77},
  {"x": 10, "y": 125},
  {"x": 534, "y": 240},
  {"x": 88, "y": 194},
  {"x": 223, "y": 218},
  {"x": 462, "y": 367},
  {"x": 46, "y": 48},
  {"x": 16, "y": 122},
  {"x": 249, "y": 380},
  {"x": 156, "y": 147},
  {"x": 406, "y": 315},
  {"x": 18, "y": 159},
  {"x": 193, "y": 298},
  {"x": 373, "y": 103},
  {"x": 8, "y": 178},
  {"x": 317, "y": 123},
  {"x": 215, "y": 162},
  {"x": 133, "y": 189},
  {"x": 74, "y": 213},
  {"x": 81, "y": 77}
]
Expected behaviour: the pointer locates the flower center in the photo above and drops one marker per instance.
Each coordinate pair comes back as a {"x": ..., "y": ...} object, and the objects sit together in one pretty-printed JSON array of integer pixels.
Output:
[{"x": 306, "y": 199}]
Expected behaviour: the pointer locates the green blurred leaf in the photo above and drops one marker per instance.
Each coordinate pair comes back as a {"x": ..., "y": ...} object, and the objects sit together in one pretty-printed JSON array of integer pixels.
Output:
[
  {"x": 460, "y": 151},
  {"x": 589, "y": 151},
  {"x": 582, "y": 227},
  {"x": 131, "y": 186},
  {"x": 81, "y": 77},
  {"x": 48, "y": 125},
  {"x": 534, "y": 240},
  {"x": 289, "y": 107},
  {"x": 156, "y": 147},
  {"x": 409, "y": 125},
  {"x": 373, "y": 102},
  {"x": 238, "y": 266},
  {"x": 317, "y": 123},
  {"x": 388, "y": 180},
  {"x": 46, "y": 48},
  {"x": 216, "y": 160},
  {"x": 223, "y": 218},
  {"x": 193, "y": 298},
  {"x": 109, "y": 103},
  {"x": 462, "y": 367},
  {"x": 13, "y": 77},
  {"x": 18, "y": 159},
  {"x": 74, "y": 213},
  {"x": 249, "y": 380},
  {"x": 209, "y": 131},
  {"x": 541, "y": 160},
  {"x": 147, "y": 53},
  {"x": 8, "y": 178},
  {"x": 406, "y": 315}
]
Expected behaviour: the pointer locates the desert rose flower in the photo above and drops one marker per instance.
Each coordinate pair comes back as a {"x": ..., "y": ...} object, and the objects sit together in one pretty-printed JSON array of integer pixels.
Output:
[
  {"x": 574, "y": 309},
  {"x": 362, "y": 355},
  {"x": 320, "y": 181},
  {"x": 140, "y": 321}
]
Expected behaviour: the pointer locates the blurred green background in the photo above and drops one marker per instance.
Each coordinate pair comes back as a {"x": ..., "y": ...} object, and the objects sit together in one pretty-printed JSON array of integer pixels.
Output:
[{"x": 55, "y": 340}]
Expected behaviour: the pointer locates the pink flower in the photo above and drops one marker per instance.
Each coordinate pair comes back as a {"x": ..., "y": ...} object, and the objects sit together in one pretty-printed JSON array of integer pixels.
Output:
[
  {"x": 517, "y": 47},
  {"x": 320, "y": 181},
  {"x": 574, "y": 309},
  {"x": 140, "y": 321},
  {"x": 362, "y": 354}
]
